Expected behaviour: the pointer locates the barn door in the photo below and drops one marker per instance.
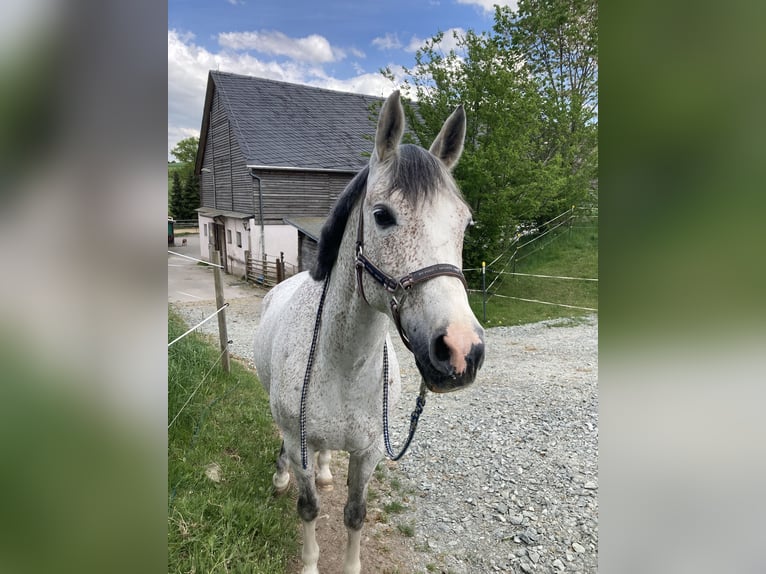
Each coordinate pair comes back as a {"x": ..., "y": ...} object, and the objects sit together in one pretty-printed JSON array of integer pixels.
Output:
[{"x": 219, "y": 243}]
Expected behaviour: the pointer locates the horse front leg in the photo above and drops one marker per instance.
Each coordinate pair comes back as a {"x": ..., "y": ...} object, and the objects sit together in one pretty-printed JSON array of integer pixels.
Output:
[
  {"x": 360, "y": 469},
  {"x": 308, "y": 510}
]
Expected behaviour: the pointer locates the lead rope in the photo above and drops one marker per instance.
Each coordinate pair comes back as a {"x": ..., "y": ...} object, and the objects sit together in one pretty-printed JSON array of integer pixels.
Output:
[
  {"x": 420, "y": 403},
  {"x": 307, "y": 376}
]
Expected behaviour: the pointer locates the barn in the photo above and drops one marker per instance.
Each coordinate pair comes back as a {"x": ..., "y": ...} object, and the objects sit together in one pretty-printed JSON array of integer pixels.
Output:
[{"x": 271, "y": 154}]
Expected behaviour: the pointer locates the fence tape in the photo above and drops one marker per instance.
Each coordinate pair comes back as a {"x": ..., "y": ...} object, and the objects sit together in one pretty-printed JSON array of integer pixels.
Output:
[
  {"x": 544, "y": 302},
  {"x": 194, "y": 259},
  {"x": 198, "y": 324},
  {"x": 547, "y": 276}
]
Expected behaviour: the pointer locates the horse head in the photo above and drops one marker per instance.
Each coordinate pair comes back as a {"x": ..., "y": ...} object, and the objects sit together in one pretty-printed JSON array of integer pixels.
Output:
[{"x": 412, "y": 222}]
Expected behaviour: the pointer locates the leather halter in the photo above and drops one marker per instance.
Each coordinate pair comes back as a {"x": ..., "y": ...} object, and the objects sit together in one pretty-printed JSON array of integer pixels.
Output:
[{"x": 398, "y": 288}]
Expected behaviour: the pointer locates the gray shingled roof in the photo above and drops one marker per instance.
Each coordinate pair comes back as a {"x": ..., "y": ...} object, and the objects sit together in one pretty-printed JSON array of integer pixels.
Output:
[{"x": 289, "y": 125}]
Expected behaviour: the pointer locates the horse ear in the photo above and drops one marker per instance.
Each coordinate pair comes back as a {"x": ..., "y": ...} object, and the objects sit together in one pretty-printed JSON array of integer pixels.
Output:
[
  {"x": 448, "y": 145},
  {"x": 390, "y": 128}
]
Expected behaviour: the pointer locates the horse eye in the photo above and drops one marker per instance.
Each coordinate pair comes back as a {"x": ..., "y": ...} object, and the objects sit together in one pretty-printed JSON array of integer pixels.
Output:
[{"x": 383, "y": 217}]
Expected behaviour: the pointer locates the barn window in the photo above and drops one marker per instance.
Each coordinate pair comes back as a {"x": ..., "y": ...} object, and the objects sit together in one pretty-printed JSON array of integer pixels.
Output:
[
  {"x": 239, "y": 239},
  {"x": 228, "y": 236},
  {"x": 204, "y": 227}
]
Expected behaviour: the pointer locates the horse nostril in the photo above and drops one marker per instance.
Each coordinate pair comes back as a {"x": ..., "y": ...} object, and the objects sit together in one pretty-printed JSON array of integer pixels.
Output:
[
  {"x": 440, "y": 354},
  {"x": 476, "y": 357},
  {"x": 441, "y": 350}
]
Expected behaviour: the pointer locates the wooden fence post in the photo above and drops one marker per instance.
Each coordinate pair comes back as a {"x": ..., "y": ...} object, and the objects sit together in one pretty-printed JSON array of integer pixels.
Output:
[{"x": 223, "y": 335}]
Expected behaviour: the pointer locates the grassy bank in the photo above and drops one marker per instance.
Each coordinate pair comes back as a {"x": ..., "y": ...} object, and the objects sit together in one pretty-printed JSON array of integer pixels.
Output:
[
  {"x": 222, "y": 516},
  {"x": 568, "y": 253}
]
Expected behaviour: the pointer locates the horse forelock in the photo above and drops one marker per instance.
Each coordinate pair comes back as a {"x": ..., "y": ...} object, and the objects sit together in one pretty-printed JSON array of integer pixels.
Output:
[{"x": 418, "y": 174}]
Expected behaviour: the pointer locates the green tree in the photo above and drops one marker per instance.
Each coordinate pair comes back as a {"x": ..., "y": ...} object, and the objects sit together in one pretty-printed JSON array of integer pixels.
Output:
[
  {"x": 529, "y": 87},
  {"x": 497, "y": 172},
  {"x": 556, "y": 41},
  {"x": 185, "y": 153},
  {"x": 190, "y": 197},
  {"x": 176, "y": 197},
  {"x": 186, "y": 150}
]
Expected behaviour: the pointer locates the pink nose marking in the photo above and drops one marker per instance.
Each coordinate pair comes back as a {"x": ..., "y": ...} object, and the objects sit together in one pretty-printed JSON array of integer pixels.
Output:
[{"x": 459, "y": 339}]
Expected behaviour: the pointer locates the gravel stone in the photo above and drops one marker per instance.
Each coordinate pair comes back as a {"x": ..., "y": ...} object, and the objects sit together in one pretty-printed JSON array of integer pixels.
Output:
[{"x": 513, "y": 458}]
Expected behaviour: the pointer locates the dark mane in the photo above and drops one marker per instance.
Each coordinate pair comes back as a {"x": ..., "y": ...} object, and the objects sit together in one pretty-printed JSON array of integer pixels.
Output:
[
  {"x": 333, "y": 228},
  {"x": 416, "y": 174}
]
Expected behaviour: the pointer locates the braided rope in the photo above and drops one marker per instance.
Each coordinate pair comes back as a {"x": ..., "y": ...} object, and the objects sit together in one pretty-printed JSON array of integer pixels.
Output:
[
  {"x": 307, "y": 376},
  {"x": 420, "y": 404}
]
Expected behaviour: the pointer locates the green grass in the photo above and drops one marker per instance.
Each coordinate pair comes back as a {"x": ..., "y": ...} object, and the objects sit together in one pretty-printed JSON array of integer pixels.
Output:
[
  {"x": 564, "y": 253},
  {"x": 394, "y": 507},
  {"x": 235, "y": 524}
]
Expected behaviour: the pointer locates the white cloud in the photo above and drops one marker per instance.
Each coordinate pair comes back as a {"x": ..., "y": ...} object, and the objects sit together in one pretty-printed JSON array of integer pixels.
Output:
[
  {"x": 489, "y": 5},
  {"x": 312, "y": 48},
  {"x": 189, "y": 64},
  {"x": 370, "y": 84},
  {"x": 388, "y": 42},
  {"x": 415, "y": 44},
  {"x": 236, "y": 2},
  {"x": 449, "y": 41}
]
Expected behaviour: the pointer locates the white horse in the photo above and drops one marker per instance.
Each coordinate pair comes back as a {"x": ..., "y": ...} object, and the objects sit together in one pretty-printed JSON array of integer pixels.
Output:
[{"x": 390, "y": 250}]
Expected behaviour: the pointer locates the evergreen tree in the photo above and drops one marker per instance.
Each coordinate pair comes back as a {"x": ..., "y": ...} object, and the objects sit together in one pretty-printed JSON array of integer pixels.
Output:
[
  {"x": 190, "y": 197},
  {"x": 176, "y": 197}
]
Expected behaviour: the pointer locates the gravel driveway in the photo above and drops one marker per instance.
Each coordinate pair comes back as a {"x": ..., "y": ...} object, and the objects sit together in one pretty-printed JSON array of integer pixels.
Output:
[{"x": 502, "y": 476}]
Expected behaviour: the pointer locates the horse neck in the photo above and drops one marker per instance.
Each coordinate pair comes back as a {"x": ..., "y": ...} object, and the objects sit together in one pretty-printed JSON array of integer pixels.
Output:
[{"x": 350, "y": 325}]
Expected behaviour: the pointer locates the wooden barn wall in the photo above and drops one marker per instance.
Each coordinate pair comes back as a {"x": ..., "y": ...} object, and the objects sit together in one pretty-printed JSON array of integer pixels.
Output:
[
  {"x": 286, "y": 193},
  {"x": 206, "y": 179},
  {"x": 234, "y": 187},
  {"x": 219, "y": 131},
  {"x": 299, "y": 194}
]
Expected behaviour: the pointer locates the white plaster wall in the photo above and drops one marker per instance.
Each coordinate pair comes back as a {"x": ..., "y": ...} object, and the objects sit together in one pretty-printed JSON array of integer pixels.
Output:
[
  {"x": 234, "y": 253},
  {"x": 277, "y": 238}
]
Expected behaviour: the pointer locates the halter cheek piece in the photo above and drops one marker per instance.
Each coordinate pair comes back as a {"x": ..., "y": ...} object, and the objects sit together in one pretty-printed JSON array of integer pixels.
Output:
[{"x": 398, "y": 288}]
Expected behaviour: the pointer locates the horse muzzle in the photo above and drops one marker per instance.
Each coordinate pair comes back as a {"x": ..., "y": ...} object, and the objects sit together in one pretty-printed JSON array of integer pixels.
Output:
[{"x": 453, "y": 359}]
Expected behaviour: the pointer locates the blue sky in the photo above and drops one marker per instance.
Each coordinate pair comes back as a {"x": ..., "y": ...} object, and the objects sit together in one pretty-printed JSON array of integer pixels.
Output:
[{"x": 332, "y": 44}]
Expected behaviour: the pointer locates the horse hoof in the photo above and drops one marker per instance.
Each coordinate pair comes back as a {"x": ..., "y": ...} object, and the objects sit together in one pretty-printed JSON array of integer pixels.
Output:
[
  {"x": 324, "y": 485},
  {"x": 281, "y": 484}
]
